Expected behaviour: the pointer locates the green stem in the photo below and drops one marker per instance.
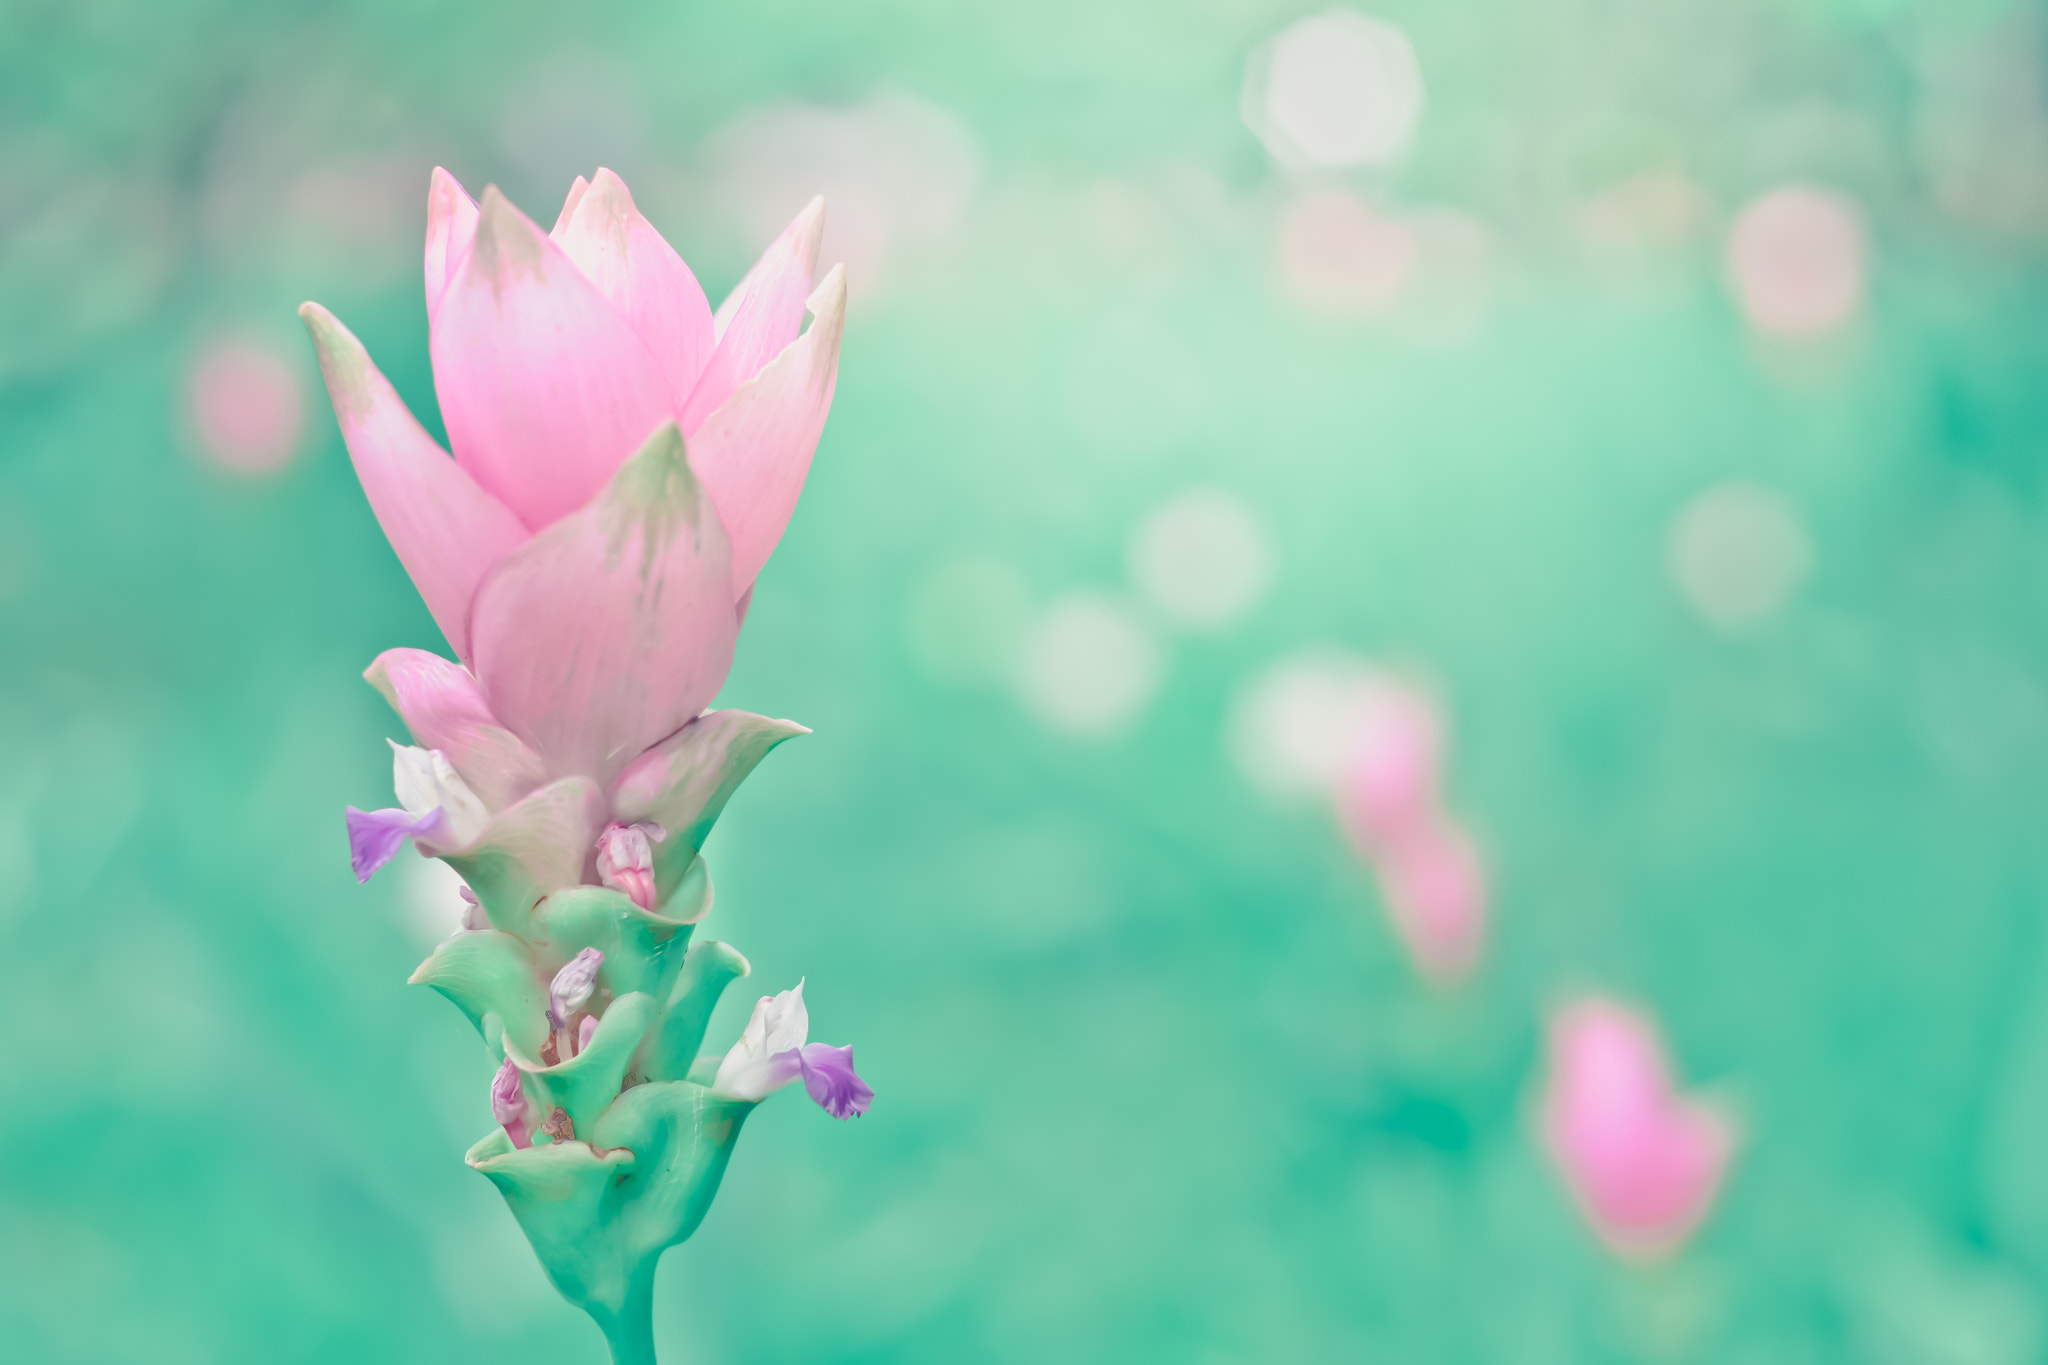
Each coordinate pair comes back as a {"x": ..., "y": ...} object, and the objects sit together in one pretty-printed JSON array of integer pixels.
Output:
[{"x": 630, "y": 1331}]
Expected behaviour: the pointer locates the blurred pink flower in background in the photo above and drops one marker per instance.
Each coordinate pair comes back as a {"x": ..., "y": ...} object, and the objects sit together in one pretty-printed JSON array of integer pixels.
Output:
[
  {"x": 1389, "y": 803},
  {"x": 1643, "y": 1162},
  {"x": 1388, "y": 786},
  {"x": 246, "y": 406},
  {"x": 1796, "y": 258},
  {"x": 1435, "y": 891}
]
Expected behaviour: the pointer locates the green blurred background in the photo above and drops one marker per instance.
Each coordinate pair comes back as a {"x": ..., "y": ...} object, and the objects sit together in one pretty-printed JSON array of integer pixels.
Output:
[{"x": 1156, "y": 1081}]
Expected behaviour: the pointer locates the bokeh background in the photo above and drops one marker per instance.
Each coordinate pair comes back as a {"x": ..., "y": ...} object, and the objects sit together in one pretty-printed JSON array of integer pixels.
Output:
[{"x": 1663, "y": 383}]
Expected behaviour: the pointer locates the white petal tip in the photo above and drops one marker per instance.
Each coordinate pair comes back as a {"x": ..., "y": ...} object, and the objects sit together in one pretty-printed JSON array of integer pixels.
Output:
[{"x": 830, "y": 295}]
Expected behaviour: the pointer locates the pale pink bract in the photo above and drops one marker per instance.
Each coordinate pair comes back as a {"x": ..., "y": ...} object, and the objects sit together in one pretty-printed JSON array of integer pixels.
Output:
[{"x": 624, "y": 463}]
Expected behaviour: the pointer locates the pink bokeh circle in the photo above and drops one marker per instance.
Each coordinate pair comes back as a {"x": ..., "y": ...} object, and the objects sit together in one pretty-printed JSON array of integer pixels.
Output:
[
  {"x": 1796, "y": 258},
  {"x": 248, "y": 408},
  {"x": 1338, "y": 256}
]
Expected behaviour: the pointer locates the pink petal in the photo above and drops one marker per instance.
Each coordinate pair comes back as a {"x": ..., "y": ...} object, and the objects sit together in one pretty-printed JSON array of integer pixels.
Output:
[
  {"x": 641, "y": 276},
  {"x": 544, "y": 388},
  {"x": 451, "y": 226},
  {"x": 576, "y": 192},
  {"x": 613, "y": 627},
  {"x": 444, "y": 708},
  {"x": 755, "y": 451},
  {"x": 447, "y": 530},
  {"x": 760, "y": 316}
]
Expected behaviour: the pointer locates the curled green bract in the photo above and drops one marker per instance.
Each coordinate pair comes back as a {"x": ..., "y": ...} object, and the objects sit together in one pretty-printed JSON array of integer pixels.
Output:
[
  {"x": 600, "y": 1213},
  {"x": 613, "y": 1141},
  {"x": 635, "y": 1152}
]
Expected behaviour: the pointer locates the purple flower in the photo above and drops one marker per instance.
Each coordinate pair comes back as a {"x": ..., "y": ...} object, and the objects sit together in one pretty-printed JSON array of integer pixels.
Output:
[
  {"x": 774, "y": 1050},
  {"x": 830, "y": 1081},
  {"x": 434, "y": 805},
  {"x": 374, "y": 836}
]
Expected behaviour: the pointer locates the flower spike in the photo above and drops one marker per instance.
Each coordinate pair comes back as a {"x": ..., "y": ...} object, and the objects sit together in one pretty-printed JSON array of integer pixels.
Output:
[{"x": 624, "y": 462}]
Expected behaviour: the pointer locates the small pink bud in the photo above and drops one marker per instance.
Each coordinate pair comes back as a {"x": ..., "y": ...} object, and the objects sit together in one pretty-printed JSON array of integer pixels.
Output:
[
  {"x": 572, "y": 986},
  {"x": 473, "y": 916},
  {"x": 586, "y": 1032},
  {"x": 508, "y": 1103},
  {"x": 625, "y": 860}
]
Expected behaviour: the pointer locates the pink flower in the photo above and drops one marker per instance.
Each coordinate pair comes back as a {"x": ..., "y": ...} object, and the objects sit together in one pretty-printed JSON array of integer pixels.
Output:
[
  {"x": 1643, "y": 1163},
  {"x": 625, "y": 461},
  {"x": 1389, "y": 803}
]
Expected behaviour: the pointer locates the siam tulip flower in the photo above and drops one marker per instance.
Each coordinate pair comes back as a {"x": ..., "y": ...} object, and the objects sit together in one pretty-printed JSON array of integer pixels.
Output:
[
  {"x": 1643, "y": 1163},
  {"x": 624, "y": 462},
  {"x": 775, "y": 1050}
]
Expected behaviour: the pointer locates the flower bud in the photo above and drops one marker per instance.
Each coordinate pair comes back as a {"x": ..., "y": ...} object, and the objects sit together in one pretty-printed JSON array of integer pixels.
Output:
[
  {"x": 508, "y": 1103},
  {"x": 572, "y": 986},
  {"x": 625, "y": 860}
]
